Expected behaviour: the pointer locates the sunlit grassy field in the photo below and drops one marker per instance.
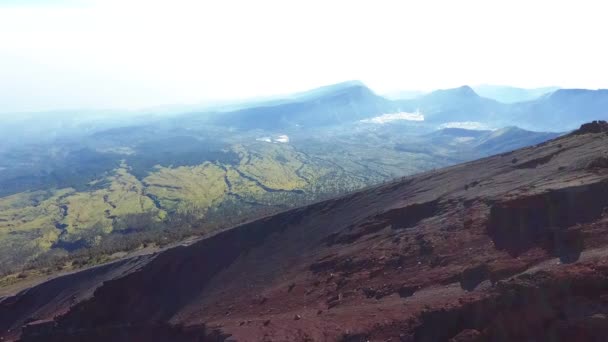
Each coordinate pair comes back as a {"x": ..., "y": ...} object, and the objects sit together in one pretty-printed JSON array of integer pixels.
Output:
[
  {"x": 32, "y": 223},
  {"x": 188, "y": 182}
]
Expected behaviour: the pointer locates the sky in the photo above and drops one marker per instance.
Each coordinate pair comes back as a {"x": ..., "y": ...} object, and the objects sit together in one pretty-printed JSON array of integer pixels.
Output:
[{"x": 96, "y": 54}]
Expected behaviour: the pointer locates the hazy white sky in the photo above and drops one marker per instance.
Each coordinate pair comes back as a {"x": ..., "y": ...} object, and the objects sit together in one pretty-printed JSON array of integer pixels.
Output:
[{"x": 58, "y": 54}]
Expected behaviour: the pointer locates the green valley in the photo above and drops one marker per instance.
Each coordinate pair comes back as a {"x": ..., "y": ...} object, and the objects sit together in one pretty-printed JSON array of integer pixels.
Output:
[{"x": 79, "y": 200}]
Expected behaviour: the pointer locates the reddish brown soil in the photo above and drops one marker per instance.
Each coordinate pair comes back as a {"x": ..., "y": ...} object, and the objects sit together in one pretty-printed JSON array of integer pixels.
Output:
[{"x": 508, "y": 248}]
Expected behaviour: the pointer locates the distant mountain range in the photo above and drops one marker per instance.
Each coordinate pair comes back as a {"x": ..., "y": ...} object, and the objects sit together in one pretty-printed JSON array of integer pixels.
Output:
[
  {"x": 457, "y": 104},
  {"x": 564, "y": 108},
  {"x": 540, "y": 109},
  {"x": 507, "y": 94},
  {"x": 330, "y": 105},
  {"x": 500, "y": 93},
  {"x": 558, "y": 110},
  {"x": 73, "y": 182}
]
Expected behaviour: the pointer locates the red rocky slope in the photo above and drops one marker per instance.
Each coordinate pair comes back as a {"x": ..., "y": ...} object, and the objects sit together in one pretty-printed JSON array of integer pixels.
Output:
[{"x": 507, "y": 248}]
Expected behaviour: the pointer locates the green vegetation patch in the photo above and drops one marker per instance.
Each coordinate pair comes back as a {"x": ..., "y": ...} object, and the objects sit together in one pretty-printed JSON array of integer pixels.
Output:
[{"x": 187, "y": 188}]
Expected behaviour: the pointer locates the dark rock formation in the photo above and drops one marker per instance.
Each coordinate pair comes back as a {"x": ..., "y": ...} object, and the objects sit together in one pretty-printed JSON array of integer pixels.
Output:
[{"x": 600, "y": 126}]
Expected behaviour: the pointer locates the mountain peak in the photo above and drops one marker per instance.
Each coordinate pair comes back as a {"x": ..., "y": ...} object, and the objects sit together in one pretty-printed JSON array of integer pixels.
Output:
[
  {"x": 350, "y": 83},
  {"x": 464, "y": 91},
  {"x": 341, "y": 87}
]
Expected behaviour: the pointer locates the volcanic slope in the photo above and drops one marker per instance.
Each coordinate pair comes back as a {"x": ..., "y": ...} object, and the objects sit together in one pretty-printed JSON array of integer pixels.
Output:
[{"x": 508, "y": 248}]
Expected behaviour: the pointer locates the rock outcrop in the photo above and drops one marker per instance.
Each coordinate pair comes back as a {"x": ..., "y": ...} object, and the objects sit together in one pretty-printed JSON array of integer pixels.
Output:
[{"x": 600, "y": 126}]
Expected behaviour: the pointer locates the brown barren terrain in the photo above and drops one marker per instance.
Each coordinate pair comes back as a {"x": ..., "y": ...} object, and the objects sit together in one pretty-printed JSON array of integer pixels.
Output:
[{"x": 507, "y": 248}]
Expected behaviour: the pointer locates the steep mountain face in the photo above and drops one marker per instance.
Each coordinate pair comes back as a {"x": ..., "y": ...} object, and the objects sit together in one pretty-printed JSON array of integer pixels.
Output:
[
  {"x": 330, "y": 105},
  {"x": 507, "y": 248}
]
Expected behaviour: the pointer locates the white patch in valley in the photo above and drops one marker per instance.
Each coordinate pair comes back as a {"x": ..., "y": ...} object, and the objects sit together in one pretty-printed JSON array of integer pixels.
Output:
[
  {"x": 385, "y": 118},
  {"x": 282, "y": 138},
  {"x": 124, "y": 150},
  {"x": 473, "y": 125},
  {"x": 461, "y": 140}
]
